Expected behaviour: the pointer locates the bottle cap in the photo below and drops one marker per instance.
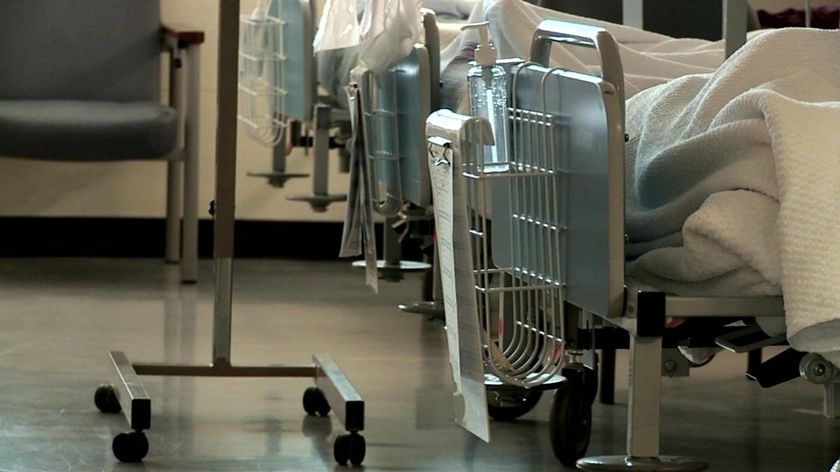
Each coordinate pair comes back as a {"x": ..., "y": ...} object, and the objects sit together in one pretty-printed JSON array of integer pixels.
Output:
[{"x": 485, "y": 53}]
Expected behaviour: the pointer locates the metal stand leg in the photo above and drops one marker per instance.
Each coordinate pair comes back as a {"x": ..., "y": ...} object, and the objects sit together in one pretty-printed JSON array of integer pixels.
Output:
[
  {"x": 831, "y": 400},
  {"x": 334, "y": 391},
  {"x": 278, "y": 176},
  {"x": 174, "y": 167},
  {"x": 633, "y": 12},
  {"x": 607, "y": 376},
  {"x": 189, "y": 247},
  {"x": 734, "y": 25},
  {"x": 432, "y": 308},
  {"x": 321, "y": 198},
  {"x": 391, "y": 266},
  {"x": 643, "y": 418}
]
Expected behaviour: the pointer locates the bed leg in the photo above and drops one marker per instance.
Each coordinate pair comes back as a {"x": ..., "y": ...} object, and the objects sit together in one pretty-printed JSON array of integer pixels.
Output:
[
  {"x": 831, "y": 400},
  {"x": 607, "y": 392},
  {"x": 644, "y": 392}
]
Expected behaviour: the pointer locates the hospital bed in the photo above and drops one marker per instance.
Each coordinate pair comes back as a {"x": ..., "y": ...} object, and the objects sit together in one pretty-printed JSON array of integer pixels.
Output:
[
  {"x": 561, "y": 236},
  {"x": 393, "y": 137}
]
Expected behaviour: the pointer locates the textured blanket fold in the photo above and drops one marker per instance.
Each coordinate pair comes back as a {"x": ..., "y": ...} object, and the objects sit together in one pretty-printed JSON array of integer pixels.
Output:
[{"x": 733, "y": 181}]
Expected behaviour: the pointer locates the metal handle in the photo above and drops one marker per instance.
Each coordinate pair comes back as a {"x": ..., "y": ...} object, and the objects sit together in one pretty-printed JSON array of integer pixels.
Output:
[{"x": 554, "y": 31}]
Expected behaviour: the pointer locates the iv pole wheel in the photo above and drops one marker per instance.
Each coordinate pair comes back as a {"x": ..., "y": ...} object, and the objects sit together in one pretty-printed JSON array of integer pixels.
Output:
[
  {"x": 130, "y": 447},
  {"x": 641, "y": 464},
  {"x": 315, "y": 403},
  {"x": 351, "y": 448},
  {"x": 105, "y": 399}
]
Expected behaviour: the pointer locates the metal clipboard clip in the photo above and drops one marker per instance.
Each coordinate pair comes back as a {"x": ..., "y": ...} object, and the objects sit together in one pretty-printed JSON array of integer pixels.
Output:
[{"x": 440, "y": 151}]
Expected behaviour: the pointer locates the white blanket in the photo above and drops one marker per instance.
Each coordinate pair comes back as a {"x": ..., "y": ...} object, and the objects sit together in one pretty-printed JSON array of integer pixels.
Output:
[
  {"x": 733, "y": 179},
  {"x": 648, "y": 58}
]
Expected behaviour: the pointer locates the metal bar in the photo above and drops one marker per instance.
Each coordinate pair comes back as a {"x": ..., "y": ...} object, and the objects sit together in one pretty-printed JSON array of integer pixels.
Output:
[
  {"x": 226, "y": 128},
  {"x": 135, "y": 402},
  {"x": 723, "y": 306},
  {"x": 734, "y": 25},
  {"x": 342, "y": 396},
  {"x": 807, "y": 13},
  {"x": 174, "y": 166},
  {"x": 633, "y": 12},
  {"x": 222, "y": 311},
  {"x": 278, "y": 155},
  {"x": 391, "y": 250},
  {"x": 831, "y": 400},
  {"x": 321, "y": 164},
  {"x": 607, "y": 388},
  {"x": 189, "y": 259},
  {"x": 225, "y": 371},
  {"x": 644, "y": 397}
]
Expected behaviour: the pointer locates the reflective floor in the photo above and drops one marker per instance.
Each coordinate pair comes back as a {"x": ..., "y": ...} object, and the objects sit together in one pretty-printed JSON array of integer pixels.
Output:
[{"x": 59, "y": 317}]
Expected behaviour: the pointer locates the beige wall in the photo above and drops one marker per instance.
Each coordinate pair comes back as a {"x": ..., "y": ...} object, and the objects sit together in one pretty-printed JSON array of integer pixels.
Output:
[{"x": 136, "y": 189}]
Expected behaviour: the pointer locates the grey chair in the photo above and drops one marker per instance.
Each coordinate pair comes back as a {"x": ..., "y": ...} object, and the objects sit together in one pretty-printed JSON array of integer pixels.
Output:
[{"x": 80, "y": 81}]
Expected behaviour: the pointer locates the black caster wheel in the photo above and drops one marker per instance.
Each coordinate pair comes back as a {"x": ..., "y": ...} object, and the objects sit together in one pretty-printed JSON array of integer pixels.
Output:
[
  {"x": 130, "y": 447},
  {"x": 349, "y": 448},
  {"x": 105, "y": 399},
  {"x": 570, "y": 422},
  {"x": 507, "y": 405},
  {"x": 315, "y": 403}
]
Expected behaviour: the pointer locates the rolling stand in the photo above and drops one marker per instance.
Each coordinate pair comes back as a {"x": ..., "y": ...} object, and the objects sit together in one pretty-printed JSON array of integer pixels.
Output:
[{"x": 333, "y": 391}]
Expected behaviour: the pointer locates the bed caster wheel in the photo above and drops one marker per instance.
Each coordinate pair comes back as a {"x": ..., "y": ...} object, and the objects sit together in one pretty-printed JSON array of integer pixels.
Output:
[
  {"x": 106, "y": 400},
  {"x": 508, "y": 405},
  {"x": 315, "y": 403},
  {"x": 130, "y": 447},
  {"x": 570, "y": 422},
  {"x": 349, "y": 448}
]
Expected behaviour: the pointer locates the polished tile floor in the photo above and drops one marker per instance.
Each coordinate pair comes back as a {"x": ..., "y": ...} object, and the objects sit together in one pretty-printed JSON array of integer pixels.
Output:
[{"x": 59, "y": 317}]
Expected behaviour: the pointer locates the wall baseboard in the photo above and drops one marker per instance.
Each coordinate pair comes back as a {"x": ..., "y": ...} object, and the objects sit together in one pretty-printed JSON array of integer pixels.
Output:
[{"x": 144, "y": 237}]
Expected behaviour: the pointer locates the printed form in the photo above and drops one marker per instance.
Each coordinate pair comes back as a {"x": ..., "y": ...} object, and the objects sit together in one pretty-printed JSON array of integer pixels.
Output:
[{"x": 462, "y": 324}]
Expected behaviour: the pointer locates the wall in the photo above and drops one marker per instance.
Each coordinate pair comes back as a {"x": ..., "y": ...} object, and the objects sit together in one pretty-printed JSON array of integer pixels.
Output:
[{"x": 137, "y": 189}]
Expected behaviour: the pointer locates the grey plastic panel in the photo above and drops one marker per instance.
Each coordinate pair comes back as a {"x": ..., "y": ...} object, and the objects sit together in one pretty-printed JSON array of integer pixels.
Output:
[
  {"x": 299, "y": 67},
  {"x": 413, "y": 94},
  {"x": 588, "y": 129},
  {"x": 395, "y": 106}
]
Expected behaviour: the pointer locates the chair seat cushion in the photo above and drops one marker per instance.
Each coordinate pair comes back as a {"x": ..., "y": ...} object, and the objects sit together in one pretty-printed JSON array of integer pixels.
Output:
[{"x": 70, "y": 130}]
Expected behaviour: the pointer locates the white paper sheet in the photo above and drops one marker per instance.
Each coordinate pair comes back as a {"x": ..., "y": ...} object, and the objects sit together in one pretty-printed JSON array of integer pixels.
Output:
[
  {"x": 358, "y": 236},
  {"x": 463, "y": 334}
]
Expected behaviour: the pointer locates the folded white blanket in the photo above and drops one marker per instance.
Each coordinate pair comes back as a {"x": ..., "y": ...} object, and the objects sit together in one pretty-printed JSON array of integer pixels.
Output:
[{"x": 733, "y": 179}]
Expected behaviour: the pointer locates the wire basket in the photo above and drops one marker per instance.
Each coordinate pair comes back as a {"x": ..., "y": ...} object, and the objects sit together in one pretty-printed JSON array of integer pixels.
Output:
[
  {"x": 515, "y": 226},
  {"x": 262, "y": 89},
  {"x": 381, "y": 137}
]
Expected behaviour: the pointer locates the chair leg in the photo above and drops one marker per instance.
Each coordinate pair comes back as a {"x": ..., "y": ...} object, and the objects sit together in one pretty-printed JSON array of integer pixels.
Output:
[
  {"x": 189, "y": 263},
  {"x": 173, "y": 212}
]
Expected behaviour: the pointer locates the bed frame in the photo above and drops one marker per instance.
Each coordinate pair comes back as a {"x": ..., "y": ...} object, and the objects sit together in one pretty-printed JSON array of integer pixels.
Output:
[{"x": 604, "y": 307}]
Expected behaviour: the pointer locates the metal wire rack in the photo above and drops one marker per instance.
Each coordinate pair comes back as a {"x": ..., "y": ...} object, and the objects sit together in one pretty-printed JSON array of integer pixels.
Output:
[
  {"x": 516, "y": 226},
  {"x": 262, "y": 84}
]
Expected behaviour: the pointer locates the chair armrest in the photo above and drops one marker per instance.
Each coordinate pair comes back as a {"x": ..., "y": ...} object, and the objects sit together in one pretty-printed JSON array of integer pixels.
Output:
[{"x": 177, "y": 35}]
